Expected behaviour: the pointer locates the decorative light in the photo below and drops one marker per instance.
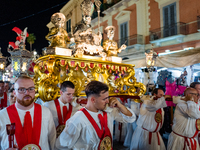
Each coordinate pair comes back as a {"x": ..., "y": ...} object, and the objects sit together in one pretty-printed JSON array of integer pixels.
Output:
[
  {"x": 2, "y": 64},
  {"x": 151, "y": 60},
  {"x": 20, "y": 60}
]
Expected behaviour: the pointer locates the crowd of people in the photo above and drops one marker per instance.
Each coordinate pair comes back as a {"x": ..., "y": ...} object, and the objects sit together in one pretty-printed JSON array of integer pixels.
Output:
[{"x": 66, "y": 123}]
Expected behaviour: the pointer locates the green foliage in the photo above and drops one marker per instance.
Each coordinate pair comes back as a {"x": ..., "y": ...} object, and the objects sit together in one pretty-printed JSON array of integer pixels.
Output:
[{"x": 31, "y": 38}]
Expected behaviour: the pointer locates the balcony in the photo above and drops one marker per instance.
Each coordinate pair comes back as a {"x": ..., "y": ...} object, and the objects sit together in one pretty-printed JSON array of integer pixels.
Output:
[
  {"x": 131, "y": 40},
  {"x": 178, "y": 28}
]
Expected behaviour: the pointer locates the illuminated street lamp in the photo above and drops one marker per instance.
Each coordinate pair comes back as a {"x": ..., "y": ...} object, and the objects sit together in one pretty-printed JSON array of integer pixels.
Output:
[
  {"x": 20, "y": 59},
  {"x": 150, "y": 63},
  {"x": 151, "y": 60},
  {"x": 2, "y": 64}
]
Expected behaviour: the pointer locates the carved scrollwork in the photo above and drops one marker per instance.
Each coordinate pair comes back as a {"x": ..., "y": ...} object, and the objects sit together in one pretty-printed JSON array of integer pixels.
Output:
[{"x": 48, "y": 89}]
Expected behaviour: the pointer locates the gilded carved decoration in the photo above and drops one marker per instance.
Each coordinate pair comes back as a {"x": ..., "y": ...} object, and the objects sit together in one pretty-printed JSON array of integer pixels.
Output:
[{"x": 51, "y": 70}]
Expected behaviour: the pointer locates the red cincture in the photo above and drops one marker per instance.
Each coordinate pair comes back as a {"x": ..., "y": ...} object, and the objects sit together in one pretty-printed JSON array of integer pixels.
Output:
[
  {"x": 150, "y": 133},
  {"x": 3, "y": 101},
  {"x": 104, "y": 131},
  {"x": 63, "y": 120},
  {"x": 19, "y": 130}
]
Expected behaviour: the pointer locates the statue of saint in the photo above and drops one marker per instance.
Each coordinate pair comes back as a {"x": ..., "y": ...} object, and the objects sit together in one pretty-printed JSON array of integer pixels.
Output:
[
  {"x": 57, "y": 35},
  {"x": 87, "y": 42},
  {"x": 109, "y": 45}
]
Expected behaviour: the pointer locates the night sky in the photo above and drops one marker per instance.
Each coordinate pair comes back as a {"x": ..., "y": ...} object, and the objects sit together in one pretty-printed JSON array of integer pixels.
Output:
[{"x": 34, "y": 14}]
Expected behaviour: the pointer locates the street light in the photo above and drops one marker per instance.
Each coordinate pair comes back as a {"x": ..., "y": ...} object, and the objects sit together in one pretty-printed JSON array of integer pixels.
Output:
[
  {"x": 2, "y": 64},
  {"x": 20, "y": 59},
  {"x": 150, "y": 63},
  {"x": 151, "y": 60}
]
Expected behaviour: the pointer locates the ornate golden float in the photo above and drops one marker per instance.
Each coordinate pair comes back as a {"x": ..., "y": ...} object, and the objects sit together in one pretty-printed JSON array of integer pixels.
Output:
[
  {"x": 51, "y": 70},
  {"x": 83, "y": 60}
]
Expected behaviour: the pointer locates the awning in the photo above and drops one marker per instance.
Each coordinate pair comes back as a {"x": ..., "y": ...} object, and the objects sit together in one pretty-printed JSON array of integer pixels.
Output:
[{"x": 174, "y": 60}]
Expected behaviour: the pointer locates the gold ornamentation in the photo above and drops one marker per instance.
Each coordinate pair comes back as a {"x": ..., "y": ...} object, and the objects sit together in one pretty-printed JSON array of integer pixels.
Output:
[
  {"x": 106, "y": 144},
  {"x": 198, "y": 124},
  {"x": 109, "y": 45},
  {"x": 31, "y": 147},
  {"x": 158, "y": 117},
  {"x": 59, "y": 130},
  {"x": 57, "y": 35},
  {"x": 51, "y": 70}
]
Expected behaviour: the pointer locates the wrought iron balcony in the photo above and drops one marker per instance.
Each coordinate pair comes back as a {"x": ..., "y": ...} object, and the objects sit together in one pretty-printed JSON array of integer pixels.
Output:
[
  {"x": 167, "y": 31},
  {"x": 131, "y": 40}
]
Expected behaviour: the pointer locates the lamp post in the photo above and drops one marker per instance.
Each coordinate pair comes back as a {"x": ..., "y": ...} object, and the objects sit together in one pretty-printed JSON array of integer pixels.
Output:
[
  {"x": 20, "y": 59},
  {"x": 2, "y": 64},
  {"x": 150, "y": 63}
]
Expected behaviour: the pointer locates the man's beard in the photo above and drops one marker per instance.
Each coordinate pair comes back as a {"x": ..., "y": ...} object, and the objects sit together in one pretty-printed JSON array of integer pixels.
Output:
[{"x": 25, "y": 103}]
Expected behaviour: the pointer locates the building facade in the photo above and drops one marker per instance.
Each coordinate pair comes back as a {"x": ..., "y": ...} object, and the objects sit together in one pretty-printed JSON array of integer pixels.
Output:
[{"x": 144, "y": 24}]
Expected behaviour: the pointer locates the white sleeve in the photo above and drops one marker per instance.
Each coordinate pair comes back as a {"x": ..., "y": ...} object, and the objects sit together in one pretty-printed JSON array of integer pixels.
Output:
[
  {"x": 68, "y": 137},
  {"x": 154, "y": 105},
  {"x": 52, "y": 132},
  {"x": 191, "y": 109},
  {"x": 120, "y": 117},
  {"x": 135, "y": 108}
]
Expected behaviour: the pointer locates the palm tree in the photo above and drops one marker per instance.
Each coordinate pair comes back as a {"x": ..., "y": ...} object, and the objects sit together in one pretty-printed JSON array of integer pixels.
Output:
[{"x": 31, "y": 39}]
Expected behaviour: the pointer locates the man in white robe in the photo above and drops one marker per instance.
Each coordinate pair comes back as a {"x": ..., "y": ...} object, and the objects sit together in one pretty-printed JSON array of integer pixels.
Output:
[
  {"x": 186, "y": 123},
  {"x": 146, "y": 135},
  {"x": 135, "y": 107},
  {"x": 4, "y": 102},
  {"x": 33, "y": 122},
  {"x": 64, "y": 107},
  {"x": 91, "y": 127}
]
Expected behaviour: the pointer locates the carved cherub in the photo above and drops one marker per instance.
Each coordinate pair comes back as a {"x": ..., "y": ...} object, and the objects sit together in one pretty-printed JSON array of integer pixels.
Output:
[{"x": 57, "y": 35}]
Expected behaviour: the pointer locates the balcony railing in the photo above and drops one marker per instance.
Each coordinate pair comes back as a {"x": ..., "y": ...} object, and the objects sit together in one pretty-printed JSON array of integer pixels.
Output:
[
  {"x": 167, "y": 31},
  {"x": 198, "y": 22},
  {"x": 131, "y": 40}
]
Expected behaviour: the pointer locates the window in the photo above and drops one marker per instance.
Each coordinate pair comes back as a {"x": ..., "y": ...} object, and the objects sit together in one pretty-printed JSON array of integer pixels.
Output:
[
  {"x": 123, "y": 33},
  {"x": 69, "y": 26},
  {"x": 169, "y": 18}
]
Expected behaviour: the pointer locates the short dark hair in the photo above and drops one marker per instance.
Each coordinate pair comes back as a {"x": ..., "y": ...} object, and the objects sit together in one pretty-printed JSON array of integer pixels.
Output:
[
  {"x": 1, "y": 81},
  {"x": 155, "y": 91},
  {"x": 193, "y": 84},
  {"x": 66, "y": 84},
  {"x": 95, "y": 88},
  {"x": 11, "y": 90},
  {"x": 6, "y": 82}
]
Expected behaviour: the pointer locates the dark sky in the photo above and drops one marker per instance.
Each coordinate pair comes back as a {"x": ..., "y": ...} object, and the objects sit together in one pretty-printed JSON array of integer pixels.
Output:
[{"x": 34, "y": 14}]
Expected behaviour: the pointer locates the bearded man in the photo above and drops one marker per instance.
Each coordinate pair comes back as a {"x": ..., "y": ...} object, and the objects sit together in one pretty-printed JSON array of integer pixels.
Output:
[{"x": 34, "y": 126}]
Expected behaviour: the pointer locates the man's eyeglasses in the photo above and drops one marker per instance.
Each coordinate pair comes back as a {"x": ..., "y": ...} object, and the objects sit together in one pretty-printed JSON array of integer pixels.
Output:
[
  {"x": 194, "y": 94},
  {"x": 23, "y": 90}
]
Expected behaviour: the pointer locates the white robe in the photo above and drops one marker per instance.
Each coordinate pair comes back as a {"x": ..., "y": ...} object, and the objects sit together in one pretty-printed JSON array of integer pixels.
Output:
[
  {"x": 52, "y": 107},
  {"x": 135, "y": 107},
  {"x": 140, "y": 139},
  {"x": 79, "y": 134},
  {"x": 48, "y": 131},
  {"x": 184, "y": 124}
]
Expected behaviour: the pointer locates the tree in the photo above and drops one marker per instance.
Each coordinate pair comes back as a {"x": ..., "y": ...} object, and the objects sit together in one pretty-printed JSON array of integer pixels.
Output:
[{"x": 31, "y": 39}]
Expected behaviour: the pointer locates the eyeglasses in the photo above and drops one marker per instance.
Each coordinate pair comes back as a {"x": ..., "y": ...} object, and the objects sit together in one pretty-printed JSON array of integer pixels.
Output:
[
  {"x": 194, "y": 94},
  {"x": 23, "y": 90}
]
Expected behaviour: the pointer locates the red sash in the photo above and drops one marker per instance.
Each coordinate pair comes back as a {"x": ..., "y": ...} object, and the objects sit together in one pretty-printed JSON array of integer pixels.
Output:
[
  {"x": 61, "y": 120},
  {"x": 19, "y": 132},
  {"x": 150, "y": 133},
  {"x": 188, "y": 140},
  {"x": 104, "y": 131},
  {"x": 3, "y": 101}
]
